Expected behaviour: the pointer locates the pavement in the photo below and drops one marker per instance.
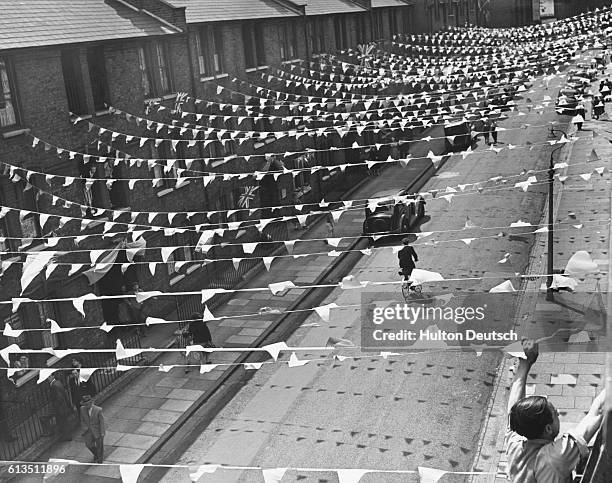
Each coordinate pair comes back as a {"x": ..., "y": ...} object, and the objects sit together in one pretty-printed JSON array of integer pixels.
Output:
[{"x": 585, "y": 204}]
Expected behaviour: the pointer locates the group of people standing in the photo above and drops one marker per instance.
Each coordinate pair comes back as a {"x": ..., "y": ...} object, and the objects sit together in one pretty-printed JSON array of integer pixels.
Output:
[
  {"x": 599, "y": 101},
  {"x": 74, "y": 407}
]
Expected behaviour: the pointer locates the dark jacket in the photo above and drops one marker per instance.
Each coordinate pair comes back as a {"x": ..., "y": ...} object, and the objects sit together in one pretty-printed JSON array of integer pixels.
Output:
[
  {"x": 407, "y": 256},
  {"x": 200, "y": 332},
  {"x": 94, "y": 424},
  {"x": 77, "y": 391}
]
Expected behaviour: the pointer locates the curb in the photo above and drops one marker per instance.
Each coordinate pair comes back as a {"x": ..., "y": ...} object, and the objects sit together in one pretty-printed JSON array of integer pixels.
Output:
[{"x": 502, "y": 374}]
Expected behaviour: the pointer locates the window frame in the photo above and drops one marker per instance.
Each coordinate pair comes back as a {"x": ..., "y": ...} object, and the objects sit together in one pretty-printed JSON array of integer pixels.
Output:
[
  {"x": 156, "y": 70},
  {"x": 11, "y": 95},
  {"x": 253, "y": 44},
  {"x": 74, "y": 84},
  {"x": 209, "y": 39},
  {"x": 165, "y": 183},
  {"x": 287, "y": 41},
  {"x": 98, "y": 78}
]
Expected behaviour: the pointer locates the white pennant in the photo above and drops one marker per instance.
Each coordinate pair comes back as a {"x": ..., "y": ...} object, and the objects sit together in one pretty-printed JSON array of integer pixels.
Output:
[
  {"x": 295, "y": 362},
  {"x": 268, "y": 262},
  {"x": 274, "y": 349},
  {"x": 196, "y": 472},
  {"x": 350, "y": 475},
  {"x": 430, "y": 475},
  {"x": 79, "y": 302},
  {"x": 273, "y": 475},
  {"x": 130, "y": 473},
  {"x": 324, "y": 310}
]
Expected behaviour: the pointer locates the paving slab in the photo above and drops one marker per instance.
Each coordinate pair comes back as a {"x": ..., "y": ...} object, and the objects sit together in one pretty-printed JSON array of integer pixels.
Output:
[
  {"x": 152, "y": 428},
  {"x": 138, "y": 441},
  {"x": 123, "y": 454},
  {"x": 158, "y": 415},
  {"x": 178, "y": 405}
]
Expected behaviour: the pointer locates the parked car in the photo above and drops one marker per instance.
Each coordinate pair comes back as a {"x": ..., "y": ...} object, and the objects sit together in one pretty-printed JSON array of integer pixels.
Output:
[
  {"x": 567, "y": 100},
  {"x": 586, "y": 69},
  {"x": 391, "y": 217},
  {"x": 462, "y": 133}
]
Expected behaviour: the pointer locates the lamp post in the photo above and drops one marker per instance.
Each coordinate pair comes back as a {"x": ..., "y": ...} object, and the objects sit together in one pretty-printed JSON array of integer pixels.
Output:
[{"x": 551, "y": 180}]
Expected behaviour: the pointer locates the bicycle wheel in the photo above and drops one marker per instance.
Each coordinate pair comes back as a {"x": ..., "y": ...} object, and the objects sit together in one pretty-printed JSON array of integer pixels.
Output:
[{"x": 406, "y": 292}]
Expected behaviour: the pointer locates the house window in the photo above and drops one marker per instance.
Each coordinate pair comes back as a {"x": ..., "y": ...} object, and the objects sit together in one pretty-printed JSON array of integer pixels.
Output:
[
  {"x": 340, "y": 32},
  {"x": 253, "y": 43},
  {"x": 393, "y": 25},
  {"x": 378, "y": 25},
  {"x": 30, "y": 225},
  {"x": 8, "y": 108},
  {"x": 97, "y": 77},
  {"x": 73, "y": 81},
  {"x": 362, "y": 28},
  {"x": 209, "y": 44},
  {"x": 288, "y": 41},
  {"x": 407, "y": 15},
  {"x": 156, "y": 74},
  {"x": 303, "y": 164},
  {"x": 225, "y": 202},
  {"x": 317, "y": 35},
  {"x": 167, "y": 171}
]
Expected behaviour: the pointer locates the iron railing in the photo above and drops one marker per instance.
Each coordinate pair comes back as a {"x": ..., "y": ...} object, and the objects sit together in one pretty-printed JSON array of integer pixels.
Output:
[{"x": 28, "y": 418}]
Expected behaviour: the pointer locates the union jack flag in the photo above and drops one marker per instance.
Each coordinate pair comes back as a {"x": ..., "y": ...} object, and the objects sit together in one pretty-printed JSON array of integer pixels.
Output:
[{"x": 248, "y": 195}]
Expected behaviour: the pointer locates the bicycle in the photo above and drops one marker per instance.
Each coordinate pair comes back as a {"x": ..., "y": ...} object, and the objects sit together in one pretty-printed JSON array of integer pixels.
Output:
[{"x": 412, "y": 291}]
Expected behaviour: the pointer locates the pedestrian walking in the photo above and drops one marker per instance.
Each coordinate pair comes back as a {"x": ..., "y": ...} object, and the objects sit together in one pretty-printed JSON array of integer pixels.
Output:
[
  {"x": 598, "y": 107},
  {"x": 62, "y": 408},
  {"x": 604, "y": 90},
  {"x": 92, "y": 420},
  {"x": 407, "y": 258},
  {"x": 198, "y": 333},
  {"x": 78, "y": 389},
  {"x": 486, "y": 127},
  {"x": 493, "y": 130},
  {"x": 329, "y": 225},
  {"x": 578, "y": 120}
]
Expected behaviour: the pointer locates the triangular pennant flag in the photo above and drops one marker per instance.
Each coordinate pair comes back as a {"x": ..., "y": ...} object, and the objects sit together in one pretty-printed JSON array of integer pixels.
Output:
[
  {"x": 295, "y": 362},
  {"x": 130, "y": 473},
  {"x": 204, "y": 368},
  {"x": 44, "y": 374},
  {"x": 503, "y": 287},
  {"x": 430, "y": 475},
  {"x": 350, "y": 475},
  {"x": 268, "y": 262},
  {"x": 324, "y": 310},
  {"x": 196, "y": 472},
  {"x": 79, "y": 302},
  {"x": 207, "y": 314},
  {"x": 274, "y": 349}
]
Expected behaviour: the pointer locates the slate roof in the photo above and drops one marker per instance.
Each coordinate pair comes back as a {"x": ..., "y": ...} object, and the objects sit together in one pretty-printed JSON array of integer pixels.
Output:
[
  {"x": 36, "y": 23},
  {"x": 198, "y": 11},
  {"x": 327, "y": 7},
  {"x": 389, "y": 3}
]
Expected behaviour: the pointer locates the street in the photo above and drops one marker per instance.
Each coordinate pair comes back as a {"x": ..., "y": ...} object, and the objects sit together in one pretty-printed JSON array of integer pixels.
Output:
[{"x": 407, "y": 410}]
